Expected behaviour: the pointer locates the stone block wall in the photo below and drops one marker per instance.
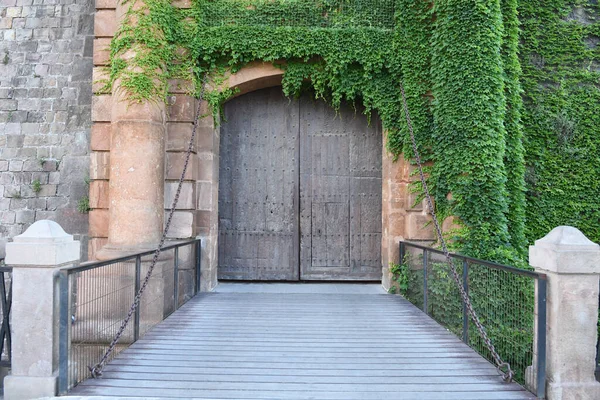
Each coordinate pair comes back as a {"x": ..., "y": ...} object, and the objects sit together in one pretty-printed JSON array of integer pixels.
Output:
[
  {"x": 45, "y": 106},
  {"x": 180, "y": 111}
]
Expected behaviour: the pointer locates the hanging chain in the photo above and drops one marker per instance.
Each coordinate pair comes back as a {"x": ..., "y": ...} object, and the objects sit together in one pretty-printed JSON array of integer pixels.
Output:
[
  {"x": 96, "y": 370},
  {"x": 502, "y": 366}
]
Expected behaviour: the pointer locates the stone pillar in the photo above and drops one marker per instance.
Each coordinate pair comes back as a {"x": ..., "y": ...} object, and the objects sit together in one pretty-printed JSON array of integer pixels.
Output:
[
  {"x": 137, "y": 170},
  {"x": 572, "y": 264},
  {"x": 35, "y": 257}
]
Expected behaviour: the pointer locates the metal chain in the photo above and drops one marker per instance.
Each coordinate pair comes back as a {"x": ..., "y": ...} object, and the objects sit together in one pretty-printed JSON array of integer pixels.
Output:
[
  {"x": 502, "y": 366},
  {"x": 96, "y": 370}
]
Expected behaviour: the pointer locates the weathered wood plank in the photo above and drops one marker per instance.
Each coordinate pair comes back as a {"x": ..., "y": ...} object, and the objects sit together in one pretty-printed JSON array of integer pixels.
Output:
[
  {"x": 282, "y": 395},
  {"x": 267, "y": 346},
  {"x": 258, "y": 188},
  {"x": 414, "y": 377},
  {"x": 335, "y": 243}
]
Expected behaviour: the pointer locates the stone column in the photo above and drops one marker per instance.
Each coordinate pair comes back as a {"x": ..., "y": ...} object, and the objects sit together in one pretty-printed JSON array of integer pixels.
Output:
[
  {"x": 35, "y": 257},
  {"x": 572, "y": 263},
  {"x": 137, "y": 170}
]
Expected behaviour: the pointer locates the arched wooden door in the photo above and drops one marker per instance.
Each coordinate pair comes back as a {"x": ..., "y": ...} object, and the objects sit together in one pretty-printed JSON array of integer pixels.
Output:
[{"x": 299, "y": 191}]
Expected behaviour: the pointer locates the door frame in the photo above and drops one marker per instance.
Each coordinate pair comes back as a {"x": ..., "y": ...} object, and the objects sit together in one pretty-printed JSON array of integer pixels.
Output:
[{"x": 402, "y": 219}]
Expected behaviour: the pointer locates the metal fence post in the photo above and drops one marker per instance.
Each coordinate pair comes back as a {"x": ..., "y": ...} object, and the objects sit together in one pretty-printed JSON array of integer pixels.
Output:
[
  {"x": 425, "y": 281},
  {"x": 597, "y": 373},
  {"x": 6, "y": 302},
  {"x": 541, "y": 336},
  {"x": 138, "y": 278},
  {"x": 63, "y": 332},
  {"x": 401, "y": 252},
  {"x": 465, "y": 282},
  {"x": 176, "y": 280},
  {"x": 198, "y": 264}
]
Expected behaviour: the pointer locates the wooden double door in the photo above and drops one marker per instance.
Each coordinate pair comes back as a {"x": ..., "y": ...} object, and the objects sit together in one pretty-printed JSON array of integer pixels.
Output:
[{"x": 299, "y": 190}]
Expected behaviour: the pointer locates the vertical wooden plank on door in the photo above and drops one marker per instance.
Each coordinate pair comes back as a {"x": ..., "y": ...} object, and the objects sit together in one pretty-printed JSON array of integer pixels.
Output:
[
  {"x": 258, "y": 220},
  {"x": 365, "y": 167},
  {"x": 340, "y": 193}
]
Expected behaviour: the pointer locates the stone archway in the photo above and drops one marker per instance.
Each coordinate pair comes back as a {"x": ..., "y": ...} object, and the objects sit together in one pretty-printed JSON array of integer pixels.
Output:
[
  {"x": 197, "y": 213},
  {"x": 400, "y": 219}
]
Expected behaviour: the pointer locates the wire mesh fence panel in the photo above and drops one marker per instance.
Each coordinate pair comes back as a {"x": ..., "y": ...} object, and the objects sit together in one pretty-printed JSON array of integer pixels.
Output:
[
  {"x": 186, "y": 273},
  {"x": 503, "y": 298},
  {"x": 505, "y": 304},
  {"x": 413, "y": 288},
  {"x": 299, "y": 13},
  {"x": 97, "y": 297},
  {"x": 444, "y": 300},
  {"x": 100, "y": 299}
]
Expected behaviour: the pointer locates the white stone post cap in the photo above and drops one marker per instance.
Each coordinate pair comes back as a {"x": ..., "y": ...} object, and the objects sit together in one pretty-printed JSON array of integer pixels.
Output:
[
  {"x": 44, "y": 243},
  {"x": 565, "y": 250}
]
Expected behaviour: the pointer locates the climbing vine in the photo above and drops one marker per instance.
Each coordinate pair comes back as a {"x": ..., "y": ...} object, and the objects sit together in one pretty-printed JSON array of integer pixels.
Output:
[
  {"x": 560, "y": 58},
  {"x": 459, "y": 63}
]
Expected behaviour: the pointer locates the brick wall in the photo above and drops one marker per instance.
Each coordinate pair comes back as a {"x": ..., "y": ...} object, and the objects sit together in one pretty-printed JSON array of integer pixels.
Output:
[{"x": 45, "y": 105}]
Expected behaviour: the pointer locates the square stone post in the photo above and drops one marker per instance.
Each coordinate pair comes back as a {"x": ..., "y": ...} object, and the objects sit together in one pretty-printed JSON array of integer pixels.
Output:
[
  {"x": 572, "y": 263},
  {"x": 35, "y": 257}
]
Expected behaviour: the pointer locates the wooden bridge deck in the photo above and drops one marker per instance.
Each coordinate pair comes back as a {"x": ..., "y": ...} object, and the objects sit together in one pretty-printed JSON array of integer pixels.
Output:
[{"x": 232, "y": 345}]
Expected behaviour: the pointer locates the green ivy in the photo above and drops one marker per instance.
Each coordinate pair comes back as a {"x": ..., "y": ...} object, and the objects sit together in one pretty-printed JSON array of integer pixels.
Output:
[
  {"x": 560, "y": 58},
  {"x": 458, "y": 60}
]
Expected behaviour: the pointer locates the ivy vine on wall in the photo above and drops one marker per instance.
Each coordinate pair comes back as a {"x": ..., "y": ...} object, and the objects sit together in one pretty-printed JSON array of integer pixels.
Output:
[
  {"x": 560, "y": 58},
  {"x": 458, "y": 61}
]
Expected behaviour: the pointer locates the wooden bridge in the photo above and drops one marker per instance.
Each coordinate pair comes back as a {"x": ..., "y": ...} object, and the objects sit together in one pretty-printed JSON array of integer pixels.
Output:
[{"x": 300, "y": 341}]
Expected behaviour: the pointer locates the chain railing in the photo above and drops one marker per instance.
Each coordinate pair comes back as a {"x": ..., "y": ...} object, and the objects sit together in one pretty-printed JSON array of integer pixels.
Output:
[
  {"x": 95, "y": 298},
  {"x": 504, "y": 298}
]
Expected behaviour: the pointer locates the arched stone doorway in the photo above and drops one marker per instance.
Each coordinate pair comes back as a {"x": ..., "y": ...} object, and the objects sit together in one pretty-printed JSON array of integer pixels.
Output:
[
  {"x": 197, "y": 214},
  {"x": 299, "y": 190}
]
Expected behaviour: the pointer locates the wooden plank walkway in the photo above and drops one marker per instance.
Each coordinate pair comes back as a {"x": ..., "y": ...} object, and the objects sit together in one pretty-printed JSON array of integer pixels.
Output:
[{"x": 231, "y": 345}]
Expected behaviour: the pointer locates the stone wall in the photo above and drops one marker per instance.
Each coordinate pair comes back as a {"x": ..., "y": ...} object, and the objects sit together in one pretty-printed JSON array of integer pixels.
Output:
[{"x": 45, "y": 105}]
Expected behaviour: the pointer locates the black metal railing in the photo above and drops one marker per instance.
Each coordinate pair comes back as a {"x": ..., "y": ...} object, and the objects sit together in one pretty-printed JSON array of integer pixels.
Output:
[
  {"x": 5, "y": 305},
  {"x": 504, "y": 298},
  {"x": 96, "y": 297},
  {"x": 598, "y": 344}
]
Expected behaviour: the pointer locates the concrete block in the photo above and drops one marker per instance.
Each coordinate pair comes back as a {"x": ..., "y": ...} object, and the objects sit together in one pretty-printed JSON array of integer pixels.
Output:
[
  {"x": 178, "y": 136},
  {"x": 100, "y": 136},
  {"x": 101, "y": 51},
  {"x": 181, "y": 108},
  {"x": 182, "y": 225},
  {"x": 206, "y": 138},
  {"x": 105, "y": 23},
  {"x": 418, "y": 227},
  {"x": 99, "y": 220},
  {"x": 99, "y": 78},
  {"x": 180, "y": 86},
  {"x": 44, "y": 243},
  {"x": 99, "y": 194},
  {"x": 99, "y": 165},
  {"x": 175, "y": 163},
  {"x": 102, "y": 108},
  {"x": 101, "y": 4},
  {"x": 29, "y": 387},
  {"x": 205, "y": 196},
  {"x": 206, "y": 168},
  {"x": 186, "y": 197}
]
